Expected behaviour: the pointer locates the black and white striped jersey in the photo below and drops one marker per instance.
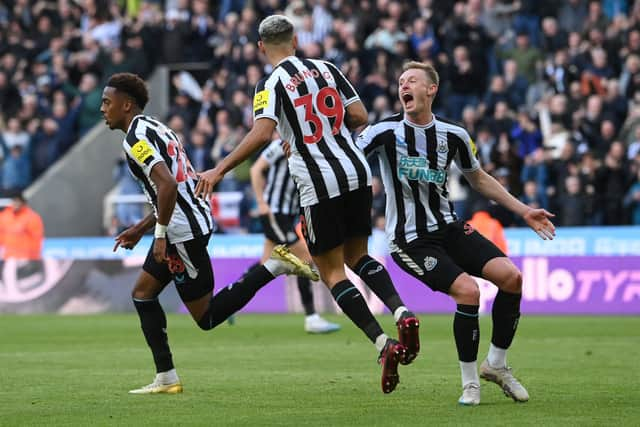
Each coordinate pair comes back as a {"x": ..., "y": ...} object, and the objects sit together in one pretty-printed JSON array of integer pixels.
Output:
[
  {"x": 414, "y": 163},
  {"x": 149, "y": 142},
  {"x": 307, "y": 99},
  {"x": 280, "y": 193}
]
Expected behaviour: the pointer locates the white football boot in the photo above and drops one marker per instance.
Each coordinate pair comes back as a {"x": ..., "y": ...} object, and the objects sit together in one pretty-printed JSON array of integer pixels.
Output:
[
  {"x": 505, "y": 379},
  {"x": 165, "y": 382},
  {"x": 315, "y": 324},
  {"x": 470, "y": 395}
]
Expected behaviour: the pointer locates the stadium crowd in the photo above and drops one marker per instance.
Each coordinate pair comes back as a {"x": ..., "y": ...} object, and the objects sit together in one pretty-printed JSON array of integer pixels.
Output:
[{"x": 549, "y": 90}]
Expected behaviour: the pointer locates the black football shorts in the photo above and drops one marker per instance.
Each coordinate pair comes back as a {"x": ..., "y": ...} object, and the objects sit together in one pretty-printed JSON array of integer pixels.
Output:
[
  {"x": 280, "y": 228},
  {"x": 188, "y": 265},
  {"x": 437, "y": 260},
  {"x": 329, "y": 223}
]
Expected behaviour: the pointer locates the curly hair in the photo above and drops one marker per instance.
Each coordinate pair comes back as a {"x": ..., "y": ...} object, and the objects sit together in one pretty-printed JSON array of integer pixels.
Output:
[{"x": 132, "y": 85}]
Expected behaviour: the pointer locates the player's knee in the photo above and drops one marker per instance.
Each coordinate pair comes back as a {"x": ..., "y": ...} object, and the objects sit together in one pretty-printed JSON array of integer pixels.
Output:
[
  {"x": 142, "y": 294},
  {"x": 205, "y": 323},
  {"x": 513, "y": 281},
  {"x": 466, "y": 291}
]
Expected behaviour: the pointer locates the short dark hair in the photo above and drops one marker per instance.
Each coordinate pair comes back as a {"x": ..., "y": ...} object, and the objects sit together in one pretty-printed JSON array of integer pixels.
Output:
[{"x": 132, "y": 85}]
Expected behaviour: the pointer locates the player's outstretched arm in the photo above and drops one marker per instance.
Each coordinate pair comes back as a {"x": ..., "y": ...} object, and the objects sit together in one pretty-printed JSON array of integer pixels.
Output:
[
  {"x": 537, "y": 219},
  {"x": 259, "y": 135}
]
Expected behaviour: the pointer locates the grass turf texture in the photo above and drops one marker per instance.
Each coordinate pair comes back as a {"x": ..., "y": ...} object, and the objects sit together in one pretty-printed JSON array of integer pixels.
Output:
[{"x": 266, "y": 371}]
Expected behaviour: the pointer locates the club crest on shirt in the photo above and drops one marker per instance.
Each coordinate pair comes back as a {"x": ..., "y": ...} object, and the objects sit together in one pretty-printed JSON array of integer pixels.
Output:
[
  {"x": 430, "y": 263},
  {"x": 443, "y": 147}
]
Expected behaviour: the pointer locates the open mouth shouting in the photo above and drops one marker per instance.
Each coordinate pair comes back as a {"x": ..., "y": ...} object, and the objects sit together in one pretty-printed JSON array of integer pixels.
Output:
[{"x": 407, "y": 100}]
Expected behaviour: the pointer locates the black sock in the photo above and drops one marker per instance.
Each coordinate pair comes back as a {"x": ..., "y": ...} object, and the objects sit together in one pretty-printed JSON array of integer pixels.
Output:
[
  {"x": 251, "y": 268},
  {"x": 354, "y": 306},
  {"x": 154, "y": 326},
  {"x": 234, "y": 297},
  {"x": 505, "y": 315},
  {"x": 466, "y": 331},
  {"x": 377, "y": 279},
  {"x": 306, "y": 297}
]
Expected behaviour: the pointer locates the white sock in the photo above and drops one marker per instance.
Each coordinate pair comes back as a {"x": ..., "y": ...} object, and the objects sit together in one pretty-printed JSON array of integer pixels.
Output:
[
  {"x": 311, "y": 317},
  {"x": 275, "y": 267},
  {"x": 469, "y": 371},
  {"x": 381, "y": 341},
  {"x": 497, "y": 356},
  {"x": 398, "y": 312},
  {"x": 167, "y": 377}
]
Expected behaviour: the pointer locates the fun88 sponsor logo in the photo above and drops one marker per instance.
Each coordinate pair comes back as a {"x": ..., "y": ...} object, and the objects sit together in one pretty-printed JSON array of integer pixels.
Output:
[{"x": 415, "y": 169}]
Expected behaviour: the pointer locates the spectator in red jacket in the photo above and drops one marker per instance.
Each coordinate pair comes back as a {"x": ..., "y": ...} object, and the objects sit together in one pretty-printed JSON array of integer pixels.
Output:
[{"x": 21, "y": 231}]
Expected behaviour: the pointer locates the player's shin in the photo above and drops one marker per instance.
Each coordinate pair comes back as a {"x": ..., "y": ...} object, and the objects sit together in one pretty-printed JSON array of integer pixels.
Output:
[
  {"x": 234, "y": 297},
  {"x": 306, "y": 297},
  {"x": 154, "y": 326},
  {"x": 354, "y": 306},
  {"x": 378, "y": 280},
  {"x": 505, "y": 316},
  {"x": 466, "y": 331}
]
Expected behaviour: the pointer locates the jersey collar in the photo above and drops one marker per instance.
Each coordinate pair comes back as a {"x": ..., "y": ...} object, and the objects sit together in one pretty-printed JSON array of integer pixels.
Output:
[
  {"x": 285, "y": 59},
  {"x": 415, "y": 125},
  {"x": 133, "y": 120}
]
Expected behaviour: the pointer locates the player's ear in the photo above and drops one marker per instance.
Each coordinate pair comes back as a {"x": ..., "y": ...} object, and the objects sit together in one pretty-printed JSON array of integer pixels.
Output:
[
  {"x": 260, "y": 46},
  {"x": 294, "y": 42}
]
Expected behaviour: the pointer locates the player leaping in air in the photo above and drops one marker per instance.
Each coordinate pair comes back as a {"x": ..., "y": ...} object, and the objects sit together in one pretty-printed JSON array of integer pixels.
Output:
[{"x": 313, "y": 106}]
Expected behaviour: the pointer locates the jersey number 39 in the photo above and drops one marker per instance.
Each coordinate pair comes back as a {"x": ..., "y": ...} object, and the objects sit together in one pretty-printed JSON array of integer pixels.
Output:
[{"x": 329, "y": 104}]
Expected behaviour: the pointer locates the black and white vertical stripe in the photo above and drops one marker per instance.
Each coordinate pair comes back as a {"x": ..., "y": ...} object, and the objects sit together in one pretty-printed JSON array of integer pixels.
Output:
[
  {"x": 416, "y": 207},
  {"x": 331, "y": 166},
  {"x": 280, "y": 192},
  {"x": 191, "y": 216}
]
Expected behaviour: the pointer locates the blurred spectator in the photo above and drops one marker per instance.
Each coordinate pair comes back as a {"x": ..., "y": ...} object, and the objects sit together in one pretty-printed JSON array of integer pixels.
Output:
[
  {"x": 488, "y": 226},
  {"x": 613, "y": 182},
  {"x": 15, "y": 135},
  {"x": 516, "y": 84},
  {"x": 525, "y": 56},
  {"x": 588, "y": 172},
  {"x": 464, "y": 76},
  {"x": 16, "y": 170},
  {"x": 632, "y": 200},
  {"x": 199, "y": 152},
  {"x": 572, "y": 15},
  {"x": 21, "y": 231},
  {"x": 571, "y": 210}
]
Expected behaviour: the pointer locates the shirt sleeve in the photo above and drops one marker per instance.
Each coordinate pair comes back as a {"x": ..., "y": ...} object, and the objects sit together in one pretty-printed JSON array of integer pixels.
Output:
[
  {"x": 369, "y": 140},
  {"x": 347, "y": 92},
  {"x": 139, "y": 149},
  {"x": 466, "y": 157},
  {"x": 273, "y": 153},
  {"x": 265, "y": 102}
]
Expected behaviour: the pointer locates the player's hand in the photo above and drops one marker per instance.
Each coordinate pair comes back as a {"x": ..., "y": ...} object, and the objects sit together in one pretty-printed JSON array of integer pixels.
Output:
[
  {"x": 286, "y": 147},
  {"x": 263, "y": 208},
  {"x": 160, "y": 250},
  {"x": 128, "y": 239},
  {"x": 207, "y": 181},
  {"x": 538, "y": 220}
]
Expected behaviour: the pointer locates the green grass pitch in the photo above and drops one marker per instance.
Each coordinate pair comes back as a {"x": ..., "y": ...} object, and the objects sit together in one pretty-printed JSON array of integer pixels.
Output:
[{"x": 263, "y": 371}]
